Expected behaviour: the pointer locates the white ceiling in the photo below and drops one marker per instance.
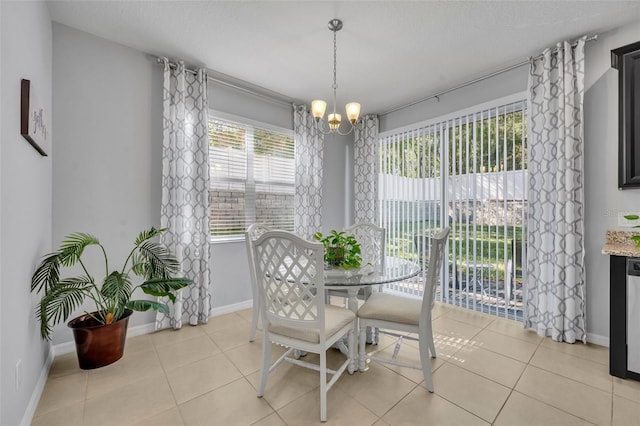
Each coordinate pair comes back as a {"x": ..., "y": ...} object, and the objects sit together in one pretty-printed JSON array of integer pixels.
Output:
[{"x": 390, "y": 53}]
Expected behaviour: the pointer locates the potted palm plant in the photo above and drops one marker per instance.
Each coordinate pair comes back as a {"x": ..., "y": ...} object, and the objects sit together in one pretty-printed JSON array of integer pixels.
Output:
[{"x": 100, "y": 335}]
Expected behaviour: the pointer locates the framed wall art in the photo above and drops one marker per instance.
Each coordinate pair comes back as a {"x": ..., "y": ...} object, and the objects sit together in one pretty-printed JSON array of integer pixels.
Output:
[{"x": 33, "y": 124}]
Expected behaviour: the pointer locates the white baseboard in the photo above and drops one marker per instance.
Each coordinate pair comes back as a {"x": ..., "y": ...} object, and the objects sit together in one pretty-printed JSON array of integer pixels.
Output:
[
  {"x": 30, "y": 411},
  {"x": 597, "y": 339},
  {"x": 231, "y": 308}
]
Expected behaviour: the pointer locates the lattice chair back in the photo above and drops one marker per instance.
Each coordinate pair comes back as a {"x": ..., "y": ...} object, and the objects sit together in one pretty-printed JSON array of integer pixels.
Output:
[
  {"x": 253, "y": 232},
  {"x": 290, "y": 279},
  {"x": 372, "y": 239},
  {"x": 434, "y": 271}
]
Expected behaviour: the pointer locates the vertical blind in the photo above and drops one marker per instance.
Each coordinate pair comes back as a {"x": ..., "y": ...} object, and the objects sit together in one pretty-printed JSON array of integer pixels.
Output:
[
  {"x": 251, "y": 177},
  {"x": 467, "y": 172}
]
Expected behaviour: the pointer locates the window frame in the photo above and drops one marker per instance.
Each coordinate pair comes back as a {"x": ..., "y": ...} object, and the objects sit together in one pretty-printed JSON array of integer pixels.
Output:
[{"x": 213, "y": 114}]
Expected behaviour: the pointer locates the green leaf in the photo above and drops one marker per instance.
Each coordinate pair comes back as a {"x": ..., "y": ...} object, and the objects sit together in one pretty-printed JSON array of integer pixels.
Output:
[
  {"x": 140, "y": 264},
  {"x": 145, "y": 305},
  {"x": 161, "y": 287},
  {"x": 47, "y": 274},
  {"x": 147, "y": 235},
  {"x": 162, "y": 264},
  {"x": 117, "y": 287},
  {"x": 58, "y": 304},
  {"x": 73, "y": 245},
  {"x": 632, "y": 217}
]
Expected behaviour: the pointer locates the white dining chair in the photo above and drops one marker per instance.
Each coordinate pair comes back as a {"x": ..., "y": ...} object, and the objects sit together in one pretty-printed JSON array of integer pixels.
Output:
[
  {"x": 290, "y": 280},
  {"x": 407, "y": 315},
  {"x": 252, "y": 233}
]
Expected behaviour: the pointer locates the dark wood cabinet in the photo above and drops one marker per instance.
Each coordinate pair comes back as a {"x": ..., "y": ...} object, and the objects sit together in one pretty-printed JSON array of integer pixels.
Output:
[
  {"x": 626, "y": 60},
  {"x": 618, "y": 326}
]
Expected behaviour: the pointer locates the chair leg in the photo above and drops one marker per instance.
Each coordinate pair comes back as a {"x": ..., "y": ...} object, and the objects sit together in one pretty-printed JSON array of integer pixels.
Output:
[
  {"x": 432, "y": 345},
  {"x": 323, "y": 386},
  {"x": 254, "y": 324},
  {"x": 353, "y": 351},
  {"x": 424, "y": 342},
  {"x": 266, "y": 361},
  {"x": 362, "y": 348}
]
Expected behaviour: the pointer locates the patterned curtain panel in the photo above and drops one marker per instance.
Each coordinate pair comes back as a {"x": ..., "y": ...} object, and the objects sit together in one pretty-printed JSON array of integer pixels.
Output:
[
  {"x": 185, "y": 190},
  {"x": 309, "y": 153},
  {"x": 365, "y": 170},
  {"x": 555, "y": 294}
]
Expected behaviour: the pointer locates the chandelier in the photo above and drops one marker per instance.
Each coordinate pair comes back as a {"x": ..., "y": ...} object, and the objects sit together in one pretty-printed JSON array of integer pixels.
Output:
[{"x": 318, "y": 107}]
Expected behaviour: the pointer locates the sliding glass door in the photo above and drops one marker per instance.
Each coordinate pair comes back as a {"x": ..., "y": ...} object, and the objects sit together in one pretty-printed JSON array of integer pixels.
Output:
[{"x": 468, "y": 172}]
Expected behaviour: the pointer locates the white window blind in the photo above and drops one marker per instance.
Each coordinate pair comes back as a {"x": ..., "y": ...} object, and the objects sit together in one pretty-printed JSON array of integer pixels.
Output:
[
  {"x": 252, "y": 174},
  {"x": 467, "y": 171}
]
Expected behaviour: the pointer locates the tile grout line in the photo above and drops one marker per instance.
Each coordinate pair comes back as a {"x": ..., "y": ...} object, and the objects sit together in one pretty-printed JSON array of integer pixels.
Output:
[
  {"x": 513, "y": 388},
  {"x": 540, "y": 344}
]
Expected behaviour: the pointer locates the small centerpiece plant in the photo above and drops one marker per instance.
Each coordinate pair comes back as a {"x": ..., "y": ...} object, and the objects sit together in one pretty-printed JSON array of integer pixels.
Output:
[{"x": 340, "y": 250}]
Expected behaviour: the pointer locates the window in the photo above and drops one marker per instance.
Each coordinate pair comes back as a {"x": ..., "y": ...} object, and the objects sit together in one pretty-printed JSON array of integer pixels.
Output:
[
  {"x": 252, "y": 172},
  {"x": 467, "y": 171}
]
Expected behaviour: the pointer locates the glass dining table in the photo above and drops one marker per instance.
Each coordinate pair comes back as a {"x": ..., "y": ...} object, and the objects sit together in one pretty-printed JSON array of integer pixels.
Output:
[{"x": 352, "y": 280}]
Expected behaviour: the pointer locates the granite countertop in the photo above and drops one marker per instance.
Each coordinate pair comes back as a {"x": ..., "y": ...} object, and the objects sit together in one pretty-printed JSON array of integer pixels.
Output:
[{"x": 619, "y": 243}]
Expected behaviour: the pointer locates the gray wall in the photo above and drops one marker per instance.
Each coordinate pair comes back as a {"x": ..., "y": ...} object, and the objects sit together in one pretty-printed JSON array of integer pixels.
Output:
[
  {"x": 25, "y": 200},
  {"x": 603, "y": 200},
  {"x": 107, "y": 102},
  {"x": 337, "y": 166}
]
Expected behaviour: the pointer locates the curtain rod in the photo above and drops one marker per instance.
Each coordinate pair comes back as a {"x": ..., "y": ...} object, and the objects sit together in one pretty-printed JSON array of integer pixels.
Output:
[
  {"x": 256, "y": 93},
  {"x": 281, "y": 101},
  {"x": 476, "y": 80}
]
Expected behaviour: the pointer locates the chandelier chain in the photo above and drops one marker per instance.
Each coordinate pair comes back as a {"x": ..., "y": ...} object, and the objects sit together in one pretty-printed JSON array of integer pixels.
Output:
[{"x": 335, "y": 60}]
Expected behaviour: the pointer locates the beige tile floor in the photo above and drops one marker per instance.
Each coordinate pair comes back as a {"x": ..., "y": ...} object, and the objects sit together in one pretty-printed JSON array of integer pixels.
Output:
[{"x": 488, "y": 371}]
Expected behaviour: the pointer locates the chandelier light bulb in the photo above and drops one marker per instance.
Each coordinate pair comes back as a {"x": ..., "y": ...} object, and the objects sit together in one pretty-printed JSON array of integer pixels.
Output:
[
  {"x": 318, "y": 108},
  {"x": 353, "y": 111}
]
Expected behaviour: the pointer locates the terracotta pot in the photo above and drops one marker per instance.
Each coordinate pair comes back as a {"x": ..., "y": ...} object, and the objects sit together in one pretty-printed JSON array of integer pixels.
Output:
[{"x": 98, "y": 345}]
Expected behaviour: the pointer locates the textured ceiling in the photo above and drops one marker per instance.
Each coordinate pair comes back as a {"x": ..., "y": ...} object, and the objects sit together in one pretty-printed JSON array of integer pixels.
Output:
[{"x": 390, "y": 53}]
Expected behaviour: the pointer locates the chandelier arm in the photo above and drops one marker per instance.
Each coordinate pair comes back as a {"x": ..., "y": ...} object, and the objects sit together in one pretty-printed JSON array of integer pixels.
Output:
[
  {"x": 351, "y": 129},
  {"x": 320, "y": 126}
]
